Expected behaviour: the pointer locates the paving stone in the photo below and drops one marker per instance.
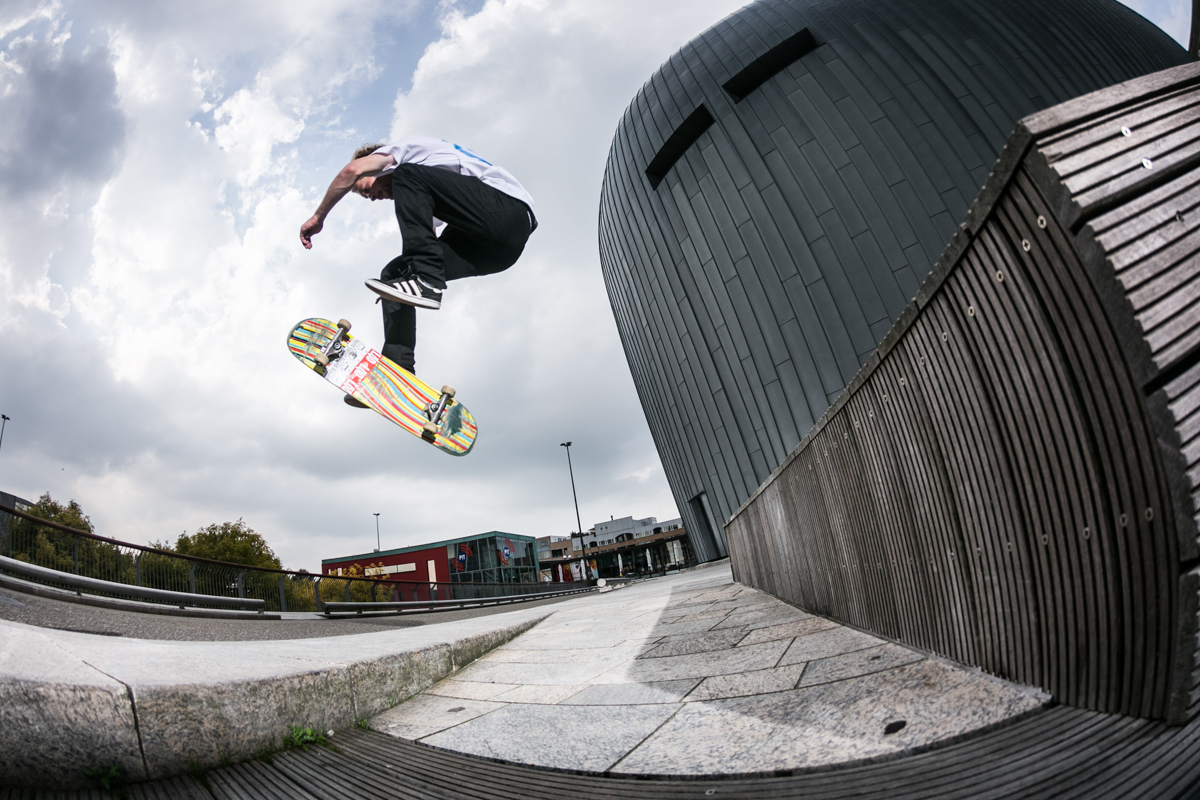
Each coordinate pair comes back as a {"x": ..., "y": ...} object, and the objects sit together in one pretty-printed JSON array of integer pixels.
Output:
[
  {"x": 522, "y": 673},
  {"x": 698, "y": 665},
  {"x": 695, "y": 643},
  {"x": 828, "y": 643},
  {"x": 744, "y": 684},
  {"x": 610, "y": 655},
  {"x": 548, "y": 695},
  {"x": 676, "y": 628},
  {"x": 575, "y": 641},
  {"x": 614, "y": 694},
  {"x": 764, "y": 617},
  {"x": 502, "y": 655},
  {"x": 576, "y": 737},
  {"x": 469, "y": 690},
  {"x": 829, "y": 723},
  {"x": 861, "y": 662},
  {"x": 742, "y": 605},
  {"x": 788, "y": 630},
  {"x": 426, "y": 714},
  {"x": 715, "y": 616}
]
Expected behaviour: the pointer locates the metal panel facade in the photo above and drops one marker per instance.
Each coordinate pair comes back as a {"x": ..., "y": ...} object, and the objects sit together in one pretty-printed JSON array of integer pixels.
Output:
[{"x": 753, "y": 281}]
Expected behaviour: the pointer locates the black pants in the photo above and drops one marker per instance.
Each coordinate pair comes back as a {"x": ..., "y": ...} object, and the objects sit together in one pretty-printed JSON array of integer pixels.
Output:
[{"x": 485, "y": 232}]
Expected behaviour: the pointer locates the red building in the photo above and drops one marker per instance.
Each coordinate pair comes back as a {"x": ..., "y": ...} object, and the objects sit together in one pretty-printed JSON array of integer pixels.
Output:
[{"x": 493, "y": 557}]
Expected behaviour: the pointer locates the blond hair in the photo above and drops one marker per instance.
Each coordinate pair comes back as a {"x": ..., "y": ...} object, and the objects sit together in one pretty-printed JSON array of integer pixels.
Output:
[{"x": 365, "y": 150}]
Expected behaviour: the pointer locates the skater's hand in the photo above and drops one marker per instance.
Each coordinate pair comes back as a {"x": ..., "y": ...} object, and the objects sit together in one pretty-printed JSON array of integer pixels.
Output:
[{"x": 309, "y": 230}]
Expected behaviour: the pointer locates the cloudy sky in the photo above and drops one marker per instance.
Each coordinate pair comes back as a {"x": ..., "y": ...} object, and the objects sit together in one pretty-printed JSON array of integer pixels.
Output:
[{"x": 156, "y": 162}]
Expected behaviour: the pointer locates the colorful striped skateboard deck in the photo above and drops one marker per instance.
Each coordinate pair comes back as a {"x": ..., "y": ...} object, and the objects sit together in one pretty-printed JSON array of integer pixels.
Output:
[{"x": 389, "y": 389}]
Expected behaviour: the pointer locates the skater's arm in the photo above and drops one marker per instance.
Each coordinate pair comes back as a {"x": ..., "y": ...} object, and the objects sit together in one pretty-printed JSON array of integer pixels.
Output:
[{"x": 341, "y": 185}]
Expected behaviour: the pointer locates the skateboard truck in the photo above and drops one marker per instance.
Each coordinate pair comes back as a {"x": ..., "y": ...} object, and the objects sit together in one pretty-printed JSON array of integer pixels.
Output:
[
  {"x": 334, "y": 348},
  {"x": 434, "y": 412}
]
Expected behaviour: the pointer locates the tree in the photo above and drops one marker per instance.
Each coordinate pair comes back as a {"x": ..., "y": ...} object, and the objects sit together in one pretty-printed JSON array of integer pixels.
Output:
[
  {"x": 70, "y": 515},
  {"x": 228, "y": 541},
  {"x": 40, "y": 544}
]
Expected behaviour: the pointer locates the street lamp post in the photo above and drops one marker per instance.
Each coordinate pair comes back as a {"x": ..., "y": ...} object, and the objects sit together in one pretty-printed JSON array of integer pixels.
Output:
[
  {"x": 578, "y": 524},
  {"x": 4, "y": 418},
  {"x": 377, "y": 545}
]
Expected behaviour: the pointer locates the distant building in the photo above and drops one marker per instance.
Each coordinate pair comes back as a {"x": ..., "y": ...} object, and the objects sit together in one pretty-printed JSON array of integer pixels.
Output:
[
  {"x": 470, "y": 559},
  {"x": 625, "y": 529},
  {"x": 624, "y": 547},
  {"x": 553, "y": 547},
  {"x": 12, "y": 501}
]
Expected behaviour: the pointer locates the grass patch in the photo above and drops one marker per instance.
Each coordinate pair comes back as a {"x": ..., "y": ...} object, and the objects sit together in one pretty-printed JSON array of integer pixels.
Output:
[
  {"x": 303, "y": 737},
  {"x": 110, "y": 778},
  {"x": 198, "y": 774},
  {"x": 266, "y": 751}
]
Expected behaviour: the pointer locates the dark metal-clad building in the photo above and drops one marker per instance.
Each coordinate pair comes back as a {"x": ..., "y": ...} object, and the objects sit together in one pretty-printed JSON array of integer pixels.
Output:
[{"x": 778, "y": 190}]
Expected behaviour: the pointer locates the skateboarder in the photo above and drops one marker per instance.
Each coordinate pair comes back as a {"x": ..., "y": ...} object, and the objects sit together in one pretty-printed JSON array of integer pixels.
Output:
[{"x": 488, "y": 217}]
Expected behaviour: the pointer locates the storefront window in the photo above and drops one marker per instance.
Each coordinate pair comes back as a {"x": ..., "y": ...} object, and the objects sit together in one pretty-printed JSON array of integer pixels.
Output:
[{"x": 483, "y": 560}]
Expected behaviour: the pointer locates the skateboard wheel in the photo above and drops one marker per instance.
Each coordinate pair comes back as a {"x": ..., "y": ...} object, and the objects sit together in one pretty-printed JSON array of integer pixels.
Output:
[
  {"x": 344, "y": 325},
  {"x": 448, "y": 391},
  {"x": 429, "y": 429},
  {"x": 321, "y": 359}
]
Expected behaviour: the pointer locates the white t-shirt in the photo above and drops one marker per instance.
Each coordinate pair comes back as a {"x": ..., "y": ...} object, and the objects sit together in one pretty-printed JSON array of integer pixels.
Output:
[{"x": 433, "y": 152}]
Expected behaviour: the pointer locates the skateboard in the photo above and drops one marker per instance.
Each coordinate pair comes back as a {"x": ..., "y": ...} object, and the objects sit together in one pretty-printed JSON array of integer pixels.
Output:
[{"x": 328, "y": 349}]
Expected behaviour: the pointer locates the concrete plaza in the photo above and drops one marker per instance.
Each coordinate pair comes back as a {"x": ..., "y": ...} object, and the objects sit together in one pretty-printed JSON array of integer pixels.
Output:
[{"x": 698, "y": 675}]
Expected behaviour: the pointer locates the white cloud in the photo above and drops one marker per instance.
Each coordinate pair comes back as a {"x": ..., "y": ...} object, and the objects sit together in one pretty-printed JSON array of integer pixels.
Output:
[{"x": 250, "y": 127}]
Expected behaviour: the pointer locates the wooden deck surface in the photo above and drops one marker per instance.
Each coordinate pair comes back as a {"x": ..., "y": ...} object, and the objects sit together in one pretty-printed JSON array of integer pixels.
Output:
[{"x": 1061, "y": 753}]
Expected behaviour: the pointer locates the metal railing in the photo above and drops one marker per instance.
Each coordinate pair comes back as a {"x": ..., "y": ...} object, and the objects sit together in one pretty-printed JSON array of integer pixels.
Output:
[
  {"x": 97, "y": 586},
  {"x": 33, "y": 540},
  {"x": 462, "y": 602}
]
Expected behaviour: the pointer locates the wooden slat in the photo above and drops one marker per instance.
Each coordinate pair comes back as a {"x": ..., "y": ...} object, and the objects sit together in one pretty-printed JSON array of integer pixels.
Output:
[{"x": 1062, "y": 752}]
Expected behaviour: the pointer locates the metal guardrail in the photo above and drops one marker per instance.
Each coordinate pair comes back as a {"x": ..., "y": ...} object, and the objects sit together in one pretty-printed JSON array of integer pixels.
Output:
[
  {"x": 416, "y": 605},
  {"x": 181, "y": 599},
  {"x": 68, "y": 551}
]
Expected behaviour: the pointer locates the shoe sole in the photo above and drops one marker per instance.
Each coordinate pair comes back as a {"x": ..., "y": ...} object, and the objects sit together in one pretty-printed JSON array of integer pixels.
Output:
[{"x": 388, "y": 293}]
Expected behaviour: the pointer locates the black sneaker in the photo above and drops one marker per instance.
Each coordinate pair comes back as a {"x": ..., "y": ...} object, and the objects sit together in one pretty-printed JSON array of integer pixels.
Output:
[
  {"x": 411, "y": 291},
  {"x": 354, "y": 402}
]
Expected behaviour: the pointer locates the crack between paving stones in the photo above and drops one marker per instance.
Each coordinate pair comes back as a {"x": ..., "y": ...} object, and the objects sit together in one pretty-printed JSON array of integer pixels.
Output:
[
  {"x": 631, "y": 750},
  {"x": 137, "y": 728},
  {"x": 785, "y": 652},
  {"x": 464, "y": 722},
  {"x": 802, "y": 671}
]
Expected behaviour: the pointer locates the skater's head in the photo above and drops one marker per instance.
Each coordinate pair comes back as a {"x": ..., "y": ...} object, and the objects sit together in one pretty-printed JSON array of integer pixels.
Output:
[
  {"x": 372, "y": 187},
  {"x": 365, "y": 150}
]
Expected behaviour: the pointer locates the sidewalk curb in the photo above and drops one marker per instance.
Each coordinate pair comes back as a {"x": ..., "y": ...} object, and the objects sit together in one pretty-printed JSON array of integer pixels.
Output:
[{"x": 70, "y": 702}]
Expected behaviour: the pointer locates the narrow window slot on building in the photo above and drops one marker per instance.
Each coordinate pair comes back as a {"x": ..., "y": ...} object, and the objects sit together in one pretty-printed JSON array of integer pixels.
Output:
[
  {"x": 706, "y": 536},
  {"x": 769, "y": 63},
  {"x": 677, "y": 144}
]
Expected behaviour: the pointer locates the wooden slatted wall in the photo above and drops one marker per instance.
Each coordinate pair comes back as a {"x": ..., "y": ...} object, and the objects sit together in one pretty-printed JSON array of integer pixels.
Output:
[
  {"x": 1012, "y": 480},
  {"x": 785, "y": 239}
]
